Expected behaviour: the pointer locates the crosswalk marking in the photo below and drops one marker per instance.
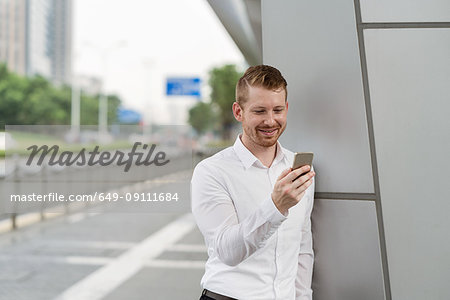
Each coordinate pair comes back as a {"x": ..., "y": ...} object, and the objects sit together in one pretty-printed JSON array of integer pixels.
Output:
[
  {"x": 176, "y": 264},
  {"x": 188, "y": 248},
  {"x": 107, "y": 278}
]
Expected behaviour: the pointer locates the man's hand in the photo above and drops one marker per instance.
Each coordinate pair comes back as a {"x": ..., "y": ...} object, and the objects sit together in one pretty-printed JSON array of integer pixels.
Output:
[{"x": 290, "y": 188}]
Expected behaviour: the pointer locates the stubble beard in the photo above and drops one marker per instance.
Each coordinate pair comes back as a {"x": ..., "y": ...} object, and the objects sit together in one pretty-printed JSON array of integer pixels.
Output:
[{"x": 258, "y": 139}]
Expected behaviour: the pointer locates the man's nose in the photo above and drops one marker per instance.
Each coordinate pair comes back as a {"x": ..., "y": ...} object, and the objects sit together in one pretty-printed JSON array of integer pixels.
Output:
[{"x": 270, "y": 119}]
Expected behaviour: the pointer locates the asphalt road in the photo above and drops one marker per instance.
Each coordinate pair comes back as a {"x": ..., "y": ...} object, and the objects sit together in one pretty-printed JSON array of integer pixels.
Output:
[{"x": 104, "y": 254}]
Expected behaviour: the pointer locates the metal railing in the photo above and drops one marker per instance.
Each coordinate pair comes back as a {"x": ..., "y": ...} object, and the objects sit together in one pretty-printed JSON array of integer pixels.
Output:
[{"x": 21, "y": 179}]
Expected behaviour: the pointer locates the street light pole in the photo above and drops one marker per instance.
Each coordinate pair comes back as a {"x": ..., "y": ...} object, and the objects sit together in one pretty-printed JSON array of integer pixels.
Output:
[
  {"x": 103, "y": 100},
  {"x": 103, "y": 115},
  {"x": 75, "y": 105},
  {"x": 148, "y": 64},
  {"x": 75, "y": 111}
]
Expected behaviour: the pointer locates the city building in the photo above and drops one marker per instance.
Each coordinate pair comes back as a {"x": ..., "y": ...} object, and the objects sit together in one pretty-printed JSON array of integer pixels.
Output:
[
  {"x": 61, "y": 28},
  {"x": 35, "y": 38},
  {"x": 13, "y": 42}
]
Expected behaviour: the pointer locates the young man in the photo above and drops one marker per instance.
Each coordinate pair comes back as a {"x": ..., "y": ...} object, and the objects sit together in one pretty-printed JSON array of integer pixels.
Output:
[{"x": 251, "y": 208}]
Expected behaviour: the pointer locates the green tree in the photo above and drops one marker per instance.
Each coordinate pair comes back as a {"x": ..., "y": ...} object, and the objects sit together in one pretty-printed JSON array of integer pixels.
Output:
[
  {"x": 223, "y": 81},
  {"x": 44, "y": 104},
  {"x": 89, "y": 109},
  {"x": 113, "y": 104},
  {"x": 202, "y": 117},
  {"x": 34, "y": 101},
  {"x": 11, "y": 96}
]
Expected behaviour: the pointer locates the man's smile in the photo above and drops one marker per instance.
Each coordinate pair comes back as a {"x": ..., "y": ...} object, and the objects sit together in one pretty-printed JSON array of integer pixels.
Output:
[{"x": 268, "y": 131}]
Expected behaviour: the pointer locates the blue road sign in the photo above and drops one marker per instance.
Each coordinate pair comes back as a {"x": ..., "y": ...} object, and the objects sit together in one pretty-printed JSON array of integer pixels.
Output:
[
  {"x": 128, "y": 116},
  {"x": 183, "y": 86}
]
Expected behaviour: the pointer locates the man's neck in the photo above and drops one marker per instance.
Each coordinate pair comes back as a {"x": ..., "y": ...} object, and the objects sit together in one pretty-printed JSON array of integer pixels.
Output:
[{"x": 266, "y": 155}]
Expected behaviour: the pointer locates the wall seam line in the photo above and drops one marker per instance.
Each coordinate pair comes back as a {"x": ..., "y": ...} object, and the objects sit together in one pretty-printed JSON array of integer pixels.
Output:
[
  {"x": 345, "y": 196},
  {"x": 365, "y": 82},
  {"x": 402, "y": 25}
]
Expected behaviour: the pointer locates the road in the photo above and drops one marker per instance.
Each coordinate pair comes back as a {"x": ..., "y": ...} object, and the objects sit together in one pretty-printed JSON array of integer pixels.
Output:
[{"x": 106, "y": 253}]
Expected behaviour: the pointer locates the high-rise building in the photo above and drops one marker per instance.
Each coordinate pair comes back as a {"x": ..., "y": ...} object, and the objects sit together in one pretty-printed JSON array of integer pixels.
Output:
[
  {"x": 61, "y": 28},
  {"x": 38, "y": 37},
  {"x": 13, "y": 42},
  {"x": 35, "y": 37}
]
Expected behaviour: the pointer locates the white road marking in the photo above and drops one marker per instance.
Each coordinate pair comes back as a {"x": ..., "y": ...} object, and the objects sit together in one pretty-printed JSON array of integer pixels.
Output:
[
  {"x": 76, "y": 217},
  {"x": 188, "y": 248},
  {"x": 87, "y": 244},
  {"x": 103, "y": 281},
  {"x": 176, "y": 264},
  {"x": 101, "y": 261},
  {"x": 72, "y": 260},
  {"x": 5, "y": 225},
  {"x": 27, "y": 219},
  {"x": 86, "y": 260}
]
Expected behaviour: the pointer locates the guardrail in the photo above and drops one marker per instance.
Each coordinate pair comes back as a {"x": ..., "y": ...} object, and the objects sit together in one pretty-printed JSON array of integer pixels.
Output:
[{"x": 22, "y": 179}]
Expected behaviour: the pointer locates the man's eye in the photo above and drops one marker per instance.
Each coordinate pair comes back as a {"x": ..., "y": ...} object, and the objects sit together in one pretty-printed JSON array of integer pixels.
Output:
[
  {"x": 278, "y": 110},
  {"x": 259, "y": 111}
]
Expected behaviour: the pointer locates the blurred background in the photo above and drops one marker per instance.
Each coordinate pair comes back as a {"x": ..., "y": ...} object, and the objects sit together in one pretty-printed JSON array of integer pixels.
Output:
[
  {"x": 368, "y": 94},
  {"x": 63, "y": 61},
  {"x": 109, "y": 73}
]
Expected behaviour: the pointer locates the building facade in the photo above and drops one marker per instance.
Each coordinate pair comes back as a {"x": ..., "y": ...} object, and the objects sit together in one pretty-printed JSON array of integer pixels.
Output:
[
  {"x": 13, "y": 42},
  {"x": 36, "y": 38},
  {"x": 369, "y": 84}
]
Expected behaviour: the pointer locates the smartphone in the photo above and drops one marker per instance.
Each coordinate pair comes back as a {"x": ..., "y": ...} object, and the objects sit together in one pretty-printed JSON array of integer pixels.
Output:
[{"x": 301, "y": 159}]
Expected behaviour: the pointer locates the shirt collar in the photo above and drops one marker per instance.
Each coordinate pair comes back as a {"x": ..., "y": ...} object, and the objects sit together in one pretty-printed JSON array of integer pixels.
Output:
[{"x": 248, "y": 159}]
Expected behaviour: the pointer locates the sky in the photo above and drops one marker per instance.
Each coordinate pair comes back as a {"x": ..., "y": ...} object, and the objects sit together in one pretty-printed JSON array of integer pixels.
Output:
[{"x": 138, "y": 43}]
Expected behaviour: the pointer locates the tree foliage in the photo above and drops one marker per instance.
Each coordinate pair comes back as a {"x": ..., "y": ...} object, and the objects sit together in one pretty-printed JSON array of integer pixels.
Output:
[
  {"x": 202, "y": 117},
  {"x": 35, "y": 101},
  {"x": 223, "y": 81}
]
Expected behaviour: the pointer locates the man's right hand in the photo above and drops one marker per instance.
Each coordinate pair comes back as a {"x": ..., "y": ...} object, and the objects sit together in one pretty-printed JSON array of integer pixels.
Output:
[{"x": 290, "y": 188}]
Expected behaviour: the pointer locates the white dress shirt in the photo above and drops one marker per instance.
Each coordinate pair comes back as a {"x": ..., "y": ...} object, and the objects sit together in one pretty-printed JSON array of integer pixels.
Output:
[{"x": 255, "y": 252}]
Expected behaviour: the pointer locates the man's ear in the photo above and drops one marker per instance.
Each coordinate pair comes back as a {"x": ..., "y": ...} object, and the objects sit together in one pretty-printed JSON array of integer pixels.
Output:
[
  {"x": 287, "y": 105},
  {"x": 237, "y": 111}
]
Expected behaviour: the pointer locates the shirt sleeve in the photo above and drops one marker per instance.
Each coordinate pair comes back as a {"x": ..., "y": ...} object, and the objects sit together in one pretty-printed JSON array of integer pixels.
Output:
[
  {"x": 216, "y": 217},
  {"x": 306, "y": 253}
]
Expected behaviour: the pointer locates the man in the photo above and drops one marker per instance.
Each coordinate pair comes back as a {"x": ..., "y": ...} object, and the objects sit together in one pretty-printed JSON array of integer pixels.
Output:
[{"x": 251, "y": 208}]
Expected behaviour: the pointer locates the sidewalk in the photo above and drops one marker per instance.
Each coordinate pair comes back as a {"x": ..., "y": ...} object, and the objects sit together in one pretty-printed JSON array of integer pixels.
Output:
[{"x": 103, "y": 256}]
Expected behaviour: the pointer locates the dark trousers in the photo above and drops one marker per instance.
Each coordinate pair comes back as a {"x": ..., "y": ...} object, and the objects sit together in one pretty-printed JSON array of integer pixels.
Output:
[{"x": 214, "y": 296}]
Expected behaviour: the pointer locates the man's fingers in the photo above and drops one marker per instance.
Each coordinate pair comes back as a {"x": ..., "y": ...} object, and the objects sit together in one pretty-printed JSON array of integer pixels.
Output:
[
  {"x": 284, "y": 173},
  {"x": 297, "y": 172},
  {"x": 303, "y": 179},
  {"x": 302, "y": 189}
]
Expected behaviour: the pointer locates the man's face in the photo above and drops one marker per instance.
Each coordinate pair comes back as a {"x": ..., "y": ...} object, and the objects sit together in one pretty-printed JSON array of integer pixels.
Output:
[{"x": 263, "y": 116}]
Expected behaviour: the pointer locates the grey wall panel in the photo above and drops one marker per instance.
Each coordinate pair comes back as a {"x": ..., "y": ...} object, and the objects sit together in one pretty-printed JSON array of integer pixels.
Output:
[
  {"x": 405, "y": 10},
  {"x": 409, "y": 79},
  {"x": 347, "y": 251},
  {"x": 314, "y": 44}
]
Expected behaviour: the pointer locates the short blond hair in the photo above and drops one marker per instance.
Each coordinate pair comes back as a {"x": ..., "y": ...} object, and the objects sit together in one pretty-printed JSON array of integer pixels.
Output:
[{"x": 259, "y": 76}]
